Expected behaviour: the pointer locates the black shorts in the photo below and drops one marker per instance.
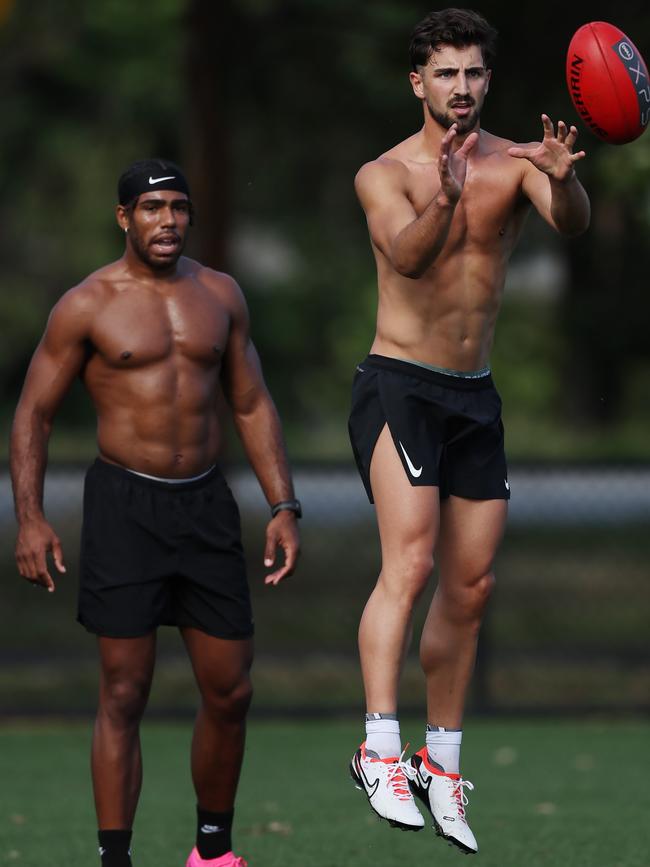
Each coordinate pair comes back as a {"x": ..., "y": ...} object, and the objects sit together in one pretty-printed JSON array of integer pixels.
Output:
[
  {"x": 156, "y": 552},
  {"x": 447, "y": 429}
]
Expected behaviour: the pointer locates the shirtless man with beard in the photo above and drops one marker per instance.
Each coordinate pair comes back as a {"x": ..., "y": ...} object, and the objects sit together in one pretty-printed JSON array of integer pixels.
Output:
[
  {"x": 153, "y": 337},
  {"x": 445, "y": 209}
]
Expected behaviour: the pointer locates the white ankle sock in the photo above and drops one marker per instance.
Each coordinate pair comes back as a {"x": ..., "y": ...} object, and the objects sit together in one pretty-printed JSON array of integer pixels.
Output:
[
  {"x": 443, "y": 747},
  {"x": 382, "y": 735}
]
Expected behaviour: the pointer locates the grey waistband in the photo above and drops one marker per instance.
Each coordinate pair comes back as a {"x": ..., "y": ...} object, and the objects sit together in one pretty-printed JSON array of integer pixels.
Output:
[
  {"x": 171, "y": 481},
  {"x": 461, "y": 374}
]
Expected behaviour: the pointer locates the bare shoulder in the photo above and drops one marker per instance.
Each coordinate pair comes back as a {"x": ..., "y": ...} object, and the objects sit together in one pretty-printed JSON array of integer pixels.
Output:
[
  {"x": 391, "y": 171},
  {"x": 495, "y": 146},
  {"x": 83, "y": 301},
  {"x": 493, "y": 152},
  {"x": 380, "y": 176},
  {"x": 225, "y": 288}
]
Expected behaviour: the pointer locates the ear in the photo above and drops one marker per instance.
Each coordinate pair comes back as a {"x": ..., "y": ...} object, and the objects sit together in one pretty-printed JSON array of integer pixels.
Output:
[
  {"x": 488, "y": 76},
  {"x": 122, "y": 217},
  {"x": 416, "y": 83}
]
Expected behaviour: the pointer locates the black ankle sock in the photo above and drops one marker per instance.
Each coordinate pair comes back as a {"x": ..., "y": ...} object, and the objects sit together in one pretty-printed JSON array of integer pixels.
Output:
[
  {"x": 213, "y": 833},
  {"x": 114, "y": 848}
]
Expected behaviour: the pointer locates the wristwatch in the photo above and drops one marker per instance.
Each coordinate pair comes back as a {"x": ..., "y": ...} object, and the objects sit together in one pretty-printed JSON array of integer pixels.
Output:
[{"x": 289, "y": 506}]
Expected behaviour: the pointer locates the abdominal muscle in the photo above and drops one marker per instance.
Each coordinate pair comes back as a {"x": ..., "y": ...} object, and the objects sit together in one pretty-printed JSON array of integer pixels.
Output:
[
  {"x": 156, "y": 424},
  {"x": 446, "y": 318}
]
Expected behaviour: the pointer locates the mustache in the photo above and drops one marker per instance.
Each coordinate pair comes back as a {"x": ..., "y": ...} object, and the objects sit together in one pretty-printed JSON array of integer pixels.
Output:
[{"x": 165, "y": 236}]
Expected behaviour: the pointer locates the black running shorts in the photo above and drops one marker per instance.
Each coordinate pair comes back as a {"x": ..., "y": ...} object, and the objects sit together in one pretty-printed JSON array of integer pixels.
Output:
[
  {"x": 156, "y": 552},
  {"x": 447, "y": 429}
]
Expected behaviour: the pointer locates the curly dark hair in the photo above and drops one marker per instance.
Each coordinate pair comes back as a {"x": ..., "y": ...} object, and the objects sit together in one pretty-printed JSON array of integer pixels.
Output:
[{"x": 457, "y": 27}]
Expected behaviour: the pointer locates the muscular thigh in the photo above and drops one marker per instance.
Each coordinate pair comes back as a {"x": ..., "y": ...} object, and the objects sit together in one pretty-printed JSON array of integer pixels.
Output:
[
  {"x": 470, "y": 534},
  {"x": 407, "y": 516},
  {"x": 219, "y": 664}
]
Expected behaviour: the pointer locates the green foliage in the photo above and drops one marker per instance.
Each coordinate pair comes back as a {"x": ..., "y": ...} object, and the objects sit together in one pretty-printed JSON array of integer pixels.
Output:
[
  {"x": 86, "y": 88},
  {"x": 312, "y": 91}
]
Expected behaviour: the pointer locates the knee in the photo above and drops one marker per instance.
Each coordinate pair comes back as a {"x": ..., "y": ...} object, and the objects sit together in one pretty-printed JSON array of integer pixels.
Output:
[
  {"x": 123, "y": 700},
  {"x": 406, "y": 580},
  {"x": 228, "y": 703},
  {"x": 473, "y": 598}
]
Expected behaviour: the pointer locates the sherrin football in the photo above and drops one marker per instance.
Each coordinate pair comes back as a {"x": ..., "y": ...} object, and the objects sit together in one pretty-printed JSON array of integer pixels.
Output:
[{"x": 608, "y": 82}]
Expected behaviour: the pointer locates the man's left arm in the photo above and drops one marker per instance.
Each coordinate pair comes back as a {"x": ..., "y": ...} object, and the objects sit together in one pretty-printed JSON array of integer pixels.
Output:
[
  {"x": 554, "y": 188},
  {"x": 260, "y": 431}
]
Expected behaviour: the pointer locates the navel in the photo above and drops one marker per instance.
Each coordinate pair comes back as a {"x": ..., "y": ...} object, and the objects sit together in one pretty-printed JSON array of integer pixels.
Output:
[
  {"x": 502, "y": 232},
  {"x": 126, "y": 355}
]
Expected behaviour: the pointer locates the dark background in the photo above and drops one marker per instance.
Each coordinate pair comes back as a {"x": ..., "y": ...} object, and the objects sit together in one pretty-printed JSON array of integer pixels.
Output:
[{"x": 272, "y": 107}]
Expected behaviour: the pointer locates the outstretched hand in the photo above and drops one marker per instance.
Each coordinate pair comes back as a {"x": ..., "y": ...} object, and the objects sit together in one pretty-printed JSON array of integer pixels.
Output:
[
  {"x": 282, "y": 531},
  {"x": 554, "y": 154},
  {"x": 452, "y": 165}
]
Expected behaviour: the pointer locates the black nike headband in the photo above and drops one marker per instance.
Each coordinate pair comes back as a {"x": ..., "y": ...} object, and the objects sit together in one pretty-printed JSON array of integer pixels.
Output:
[{"x": 147, "y": 175}]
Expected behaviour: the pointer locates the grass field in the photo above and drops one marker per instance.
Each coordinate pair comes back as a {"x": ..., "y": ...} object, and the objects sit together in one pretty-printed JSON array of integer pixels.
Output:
[{"x": 547, "y": 794}]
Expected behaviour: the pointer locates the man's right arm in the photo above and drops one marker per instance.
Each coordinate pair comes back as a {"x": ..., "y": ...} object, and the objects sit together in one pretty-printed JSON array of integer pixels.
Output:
[
  {"x": 411, "y": 243},
  {"x": 58, "y": 359}
]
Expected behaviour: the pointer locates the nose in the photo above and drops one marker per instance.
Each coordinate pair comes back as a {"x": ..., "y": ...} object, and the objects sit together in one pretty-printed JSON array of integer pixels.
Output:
[
  {"x": 462, "y": 88},
  {"x": 168, "y": 216}
]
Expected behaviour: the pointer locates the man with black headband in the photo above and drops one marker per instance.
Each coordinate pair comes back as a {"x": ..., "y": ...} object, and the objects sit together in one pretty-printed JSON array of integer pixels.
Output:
[
  {"x": 445, "y": 209},
  {"x": 153, "y": 336}
]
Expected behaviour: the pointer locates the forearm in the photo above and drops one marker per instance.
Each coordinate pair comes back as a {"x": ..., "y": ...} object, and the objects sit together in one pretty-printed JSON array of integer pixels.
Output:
[
  {"x": 29, "y": 440},
  {"x": 419, "y": 244},
  {"x": 570, "y": 208},
  {"x": 260, "y": 431}
]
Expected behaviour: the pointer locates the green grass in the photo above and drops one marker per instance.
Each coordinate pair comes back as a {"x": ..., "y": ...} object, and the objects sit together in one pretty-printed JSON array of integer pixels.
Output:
[{"x": 547, "y": 794}]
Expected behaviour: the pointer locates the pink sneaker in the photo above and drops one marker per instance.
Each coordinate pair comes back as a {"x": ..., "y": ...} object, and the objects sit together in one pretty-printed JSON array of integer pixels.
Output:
[{"x": 227, "y": 860}]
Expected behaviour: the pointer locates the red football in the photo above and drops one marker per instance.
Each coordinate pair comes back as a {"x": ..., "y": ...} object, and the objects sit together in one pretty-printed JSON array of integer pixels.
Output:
[{"x": 608, "y": 82}]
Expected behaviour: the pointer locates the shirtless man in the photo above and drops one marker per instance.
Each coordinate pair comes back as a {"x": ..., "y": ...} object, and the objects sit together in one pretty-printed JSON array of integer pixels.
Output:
[
  {"x": 152, "y": 336},
  {"x": 445, "y": 208}
]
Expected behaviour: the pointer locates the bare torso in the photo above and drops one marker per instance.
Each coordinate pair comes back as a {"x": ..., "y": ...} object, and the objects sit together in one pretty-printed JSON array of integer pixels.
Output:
[
  {"x": 154, "y": 359},
  {"x": 447, "y": 316}
]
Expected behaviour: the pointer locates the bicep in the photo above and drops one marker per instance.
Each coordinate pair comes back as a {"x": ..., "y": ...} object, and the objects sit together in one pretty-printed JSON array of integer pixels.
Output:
[
  {"x": 387, "y": 207},
  {"x": 57, "y": 361},
  {"x": 388, "y": 220},
  {"x": 242, "y": 377}
]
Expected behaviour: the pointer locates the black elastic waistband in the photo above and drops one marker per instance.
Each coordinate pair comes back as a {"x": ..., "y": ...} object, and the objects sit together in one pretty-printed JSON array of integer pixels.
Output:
[
  {"x": 117, "y": 472},
  {"x": 470, "y": 383}
]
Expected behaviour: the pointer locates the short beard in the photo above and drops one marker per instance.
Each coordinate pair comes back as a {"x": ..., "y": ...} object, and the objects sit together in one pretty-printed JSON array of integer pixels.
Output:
[
  {"x": 156, "y": 265},
  {"x": 463, "y": 124}
]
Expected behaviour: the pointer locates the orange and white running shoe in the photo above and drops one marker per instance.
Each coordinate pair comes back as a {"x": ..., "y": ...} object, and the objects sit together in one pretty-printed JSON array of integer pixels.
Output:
[
  {"x": 227, "y": 860},
  {"x": 385, "y": 782},
  {"x": 444, "y": 795}
]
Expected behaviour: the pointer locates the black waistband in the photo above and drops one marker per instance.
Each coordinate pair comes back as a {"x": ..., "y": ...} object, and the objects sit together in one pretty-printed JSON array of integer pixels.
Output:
[
  {"x": 407, "y": 368},
  {"x": 115, "y": 471}
]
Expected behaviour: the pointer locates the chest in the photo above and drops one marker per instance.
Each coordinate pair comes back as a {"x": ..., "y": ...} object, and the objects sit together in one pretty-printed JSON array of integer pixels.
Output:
[
  {"x": 491, "y": 205},
  {"x": 143, "y": 327}
]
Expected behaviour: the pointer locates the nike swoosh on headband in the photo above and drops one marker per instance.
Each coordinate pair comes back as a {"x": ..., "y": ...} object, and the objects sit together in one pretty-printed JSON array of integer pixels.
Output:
[{"x": 158, "y": 180}]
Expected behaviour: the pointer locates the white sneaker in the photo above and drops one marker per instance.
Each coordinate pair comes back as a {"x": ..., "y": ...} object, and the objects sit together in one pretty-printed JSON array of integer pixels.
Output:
[
  {"x": 445, "y": 797},
  {"x": 385, "y": 782}
]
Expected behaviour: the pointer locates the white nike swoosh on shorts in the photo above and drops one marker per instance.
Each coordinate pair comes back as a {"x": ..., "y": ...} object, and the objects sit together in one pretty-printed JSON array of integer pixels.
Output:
[{"x": 415, "y": 473}]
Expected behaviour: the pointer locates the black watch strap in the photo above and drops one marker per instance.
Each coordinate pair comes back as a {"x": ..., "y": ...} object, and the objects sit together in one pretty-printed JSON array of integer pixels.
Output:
[{"x": 289, "y": 505}]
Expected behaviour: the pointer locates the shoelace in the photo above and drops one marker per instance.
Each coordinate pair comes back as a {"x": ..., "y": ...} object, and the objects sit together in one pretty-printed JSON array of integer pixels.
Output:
[
  {"x": 397, "y": 777},
  {"x": 459, "y": 795}
]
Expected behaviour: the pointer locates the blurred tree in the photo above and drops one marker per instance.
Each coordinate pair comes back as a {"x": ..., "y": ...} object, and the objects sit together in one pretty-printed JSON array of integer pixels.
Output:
[
  {"x": 86, "y": 88},
  {"x": 274, "y": 105},
  {"x": 209, "y": 63}
]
